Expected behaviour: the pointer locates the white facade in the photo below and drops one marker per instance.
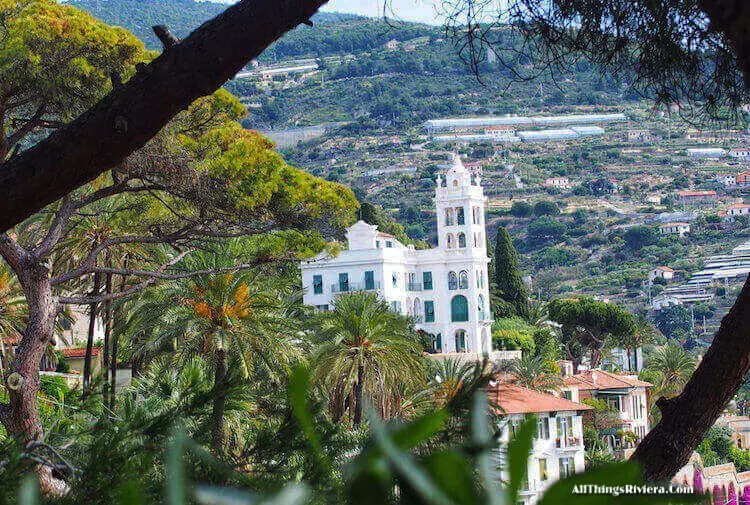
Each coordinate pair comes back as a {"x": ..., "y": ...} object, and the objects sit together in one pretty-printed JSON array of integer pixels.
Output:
[
  {"x": 445, "y": 289},
  {"x": 557, "y": 451}
]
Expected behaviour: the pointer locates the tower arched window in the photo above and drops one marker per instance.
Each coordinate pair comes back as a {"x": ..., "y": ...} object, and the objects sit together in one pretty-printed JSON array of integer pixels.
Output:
[
  {"x": 452, "y": 280},
  {"x": 449, "y": 217},
  {"x": 460, "y": 218},
  {"x": 463, "y": 280},
  {"x": 450, "y": 241},
  {"x": 461, "y": 240},
  {"x": 480, "y": 307},
  {"x": 459, "y": 309},
  {"x": 455, "y": 183}
]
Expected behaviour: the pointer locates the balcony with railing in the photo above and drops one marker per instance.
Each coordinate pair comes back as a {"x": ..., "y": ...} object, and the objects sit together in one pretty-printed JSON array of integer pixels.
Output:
[
  {"x": 569, "y": 443},
  {"x": 414, "y": 286},
  {"x": 352, "y": 287}
]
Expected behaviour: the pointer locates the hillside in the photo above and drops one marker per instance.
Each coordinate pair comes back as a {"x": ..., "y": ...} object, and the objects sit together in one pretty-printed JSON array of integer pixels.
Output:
[
  {"x": 181, "y": 16},
  {"x": 364, "y": 88}
]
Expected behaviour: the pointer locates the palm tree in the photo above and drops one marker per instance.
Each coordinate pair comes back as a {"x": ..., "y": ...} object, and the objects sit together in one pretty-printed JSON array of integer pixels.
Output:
[
  {"x": 231, "y": 318},
  {"x": 670, "y": 367},
  {"x": 13, "y": 311},
  {"x": 533, "y": 372},
  {"x": 366, "y": 351}
]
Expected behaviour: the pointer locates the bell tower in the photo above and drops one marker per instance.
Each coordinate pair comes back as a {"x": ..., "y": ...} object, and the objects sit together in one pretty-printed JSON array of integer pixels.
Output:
[{"x": 460, "y": 207}]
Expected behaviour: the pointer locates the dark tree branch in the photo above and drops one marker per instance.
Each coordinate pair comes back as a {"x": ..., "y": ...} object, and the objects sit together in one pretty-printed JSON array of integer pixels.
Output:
[
  {"x": 12, "y": 252},
  {"x": 56, "y": 229},
  {"x": 165, "y": 36},
  {"x": 128, "y": 117},
  {"x": 28, "y": 125}
]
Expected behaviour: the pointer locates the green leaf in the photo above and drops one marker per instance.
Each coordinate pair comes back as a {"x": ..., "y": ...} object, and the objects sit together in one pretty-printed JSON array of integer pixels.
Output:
[
  {"x": 175, "y": 481},
  {"x": 404, "y": 464},
  {"x": 518, "y": 455},
  {"x": 420, "y": 430},
  {"x": 293, "y": 494},
  {"x": 28, "y": 494},
  {"x": 454, "y": 473},
  {"x": 297, "y": 392},
  {"x": 481, "y": 436}
]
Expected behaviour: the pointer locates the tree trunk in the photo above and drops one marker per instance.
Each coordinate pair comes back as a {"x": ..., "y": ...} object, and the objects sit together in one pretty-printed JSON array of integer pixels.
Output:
[
  {"x": 20, "y": 416},
  {"x": 130, "y": 115},
  {"x": 687, "y": 418},
  {"x": 93, "y": 310},
  {"x": 220, "y": 401},
  {"x": 107, "y": 335},
  {"x": 113, "y": 362},
  {"x": 358, "y": 394}
]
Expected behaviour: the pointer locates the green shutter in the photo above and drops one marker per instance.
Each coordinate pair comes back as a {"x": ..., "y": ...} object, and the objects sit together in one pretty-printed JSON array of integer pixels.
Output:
[
  {"x": 429, "y": 312},
  {"x": 369, "y": 280},
  {"x": 318, "y": 284},
  {"x": 426, "y": 280},
  {"x": 459, "y": 309},
  {"x": 343, "y": 282}
]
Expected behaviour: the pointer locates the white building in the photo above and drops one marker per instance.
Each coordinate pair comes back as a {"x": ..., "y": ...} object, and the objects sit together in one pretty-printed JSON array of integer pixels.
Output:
[
  {"x": 557, "y": 451},
  {"x": 665, "y": 273},
  {"x": 445, "y": 289},
  {"x": 677, "y": 228},
  {"x": 558, "y": 182},
  {"x": 625, "y": 393},
  {"x": 738, "y": 209},
  {"x": 726, "y": 180},
  {"x": 740, "y": 153}
]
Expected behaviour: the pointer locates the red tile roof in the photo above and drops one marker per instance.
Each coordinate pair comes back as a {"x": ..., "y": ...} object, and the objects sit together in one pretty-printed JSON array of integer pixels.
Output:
[
  {"x": 514, "y": 399},
  {"x": 79, "y": 352},
  {"x": 381, "y": 234},
  {"x": 665, "y": 269},
  {"x": 603, "y": 380}
]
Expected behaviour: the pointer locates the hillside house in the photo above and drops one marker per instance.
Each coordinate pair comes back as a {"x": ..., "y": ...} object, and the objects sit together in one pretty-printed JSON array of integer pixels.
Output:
[
  {"x": 626, "y": 394},
  {"x": 638, "y": 136},
  {"x": 674, "y": 228},
  {"x": 740, "y": 428},
  {"x": 665, "y": 273},
  {"x": 738, "y": 209},
  {"x": 726, "y": 180},
  {"x": 743, "y": 179},
  {"x": 697, "y": 197},
  {"x": 740, "y": 153},
  {"x": 558, "y": 182},
  {"x": 557, "y": 451}
]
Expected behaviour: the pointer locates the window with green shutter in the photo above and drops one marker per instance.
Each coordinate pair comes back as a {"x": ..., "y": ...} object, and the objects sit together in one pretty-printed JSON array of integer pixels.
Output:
[
  {"x": 426, "y": 280},
  {"x": 369, "y": 280},
  {"x": 459, "y": 309},
  {"x": 343, "y": 283},
  {"x": 429, "y": 311},
  {"x": 318, "y": 284}
]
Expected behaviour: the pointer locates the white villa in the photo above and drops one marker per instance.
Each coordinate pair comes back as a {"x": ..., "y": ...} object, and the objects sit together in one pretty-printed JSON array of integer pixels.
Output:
[{"x": 445, "y": 289}]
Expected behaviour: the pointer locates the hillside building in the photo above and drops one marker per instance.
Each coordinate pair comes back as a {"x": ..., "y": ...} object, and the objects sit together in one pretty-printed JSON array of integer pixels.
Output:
[
  {"x": 696, "y": 197},
  {"x": 625, "y": 393},
  {"x": 445, "y": 289},
  {"x": 679, "y": 229},
  {"x": 557, "y": 451}
]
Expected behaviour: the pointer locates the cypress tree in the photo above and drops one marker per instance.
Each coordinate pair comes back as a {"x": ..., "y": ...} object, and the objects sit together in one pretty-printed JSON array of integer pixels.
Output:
[{"x": 508, "y": 284}]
